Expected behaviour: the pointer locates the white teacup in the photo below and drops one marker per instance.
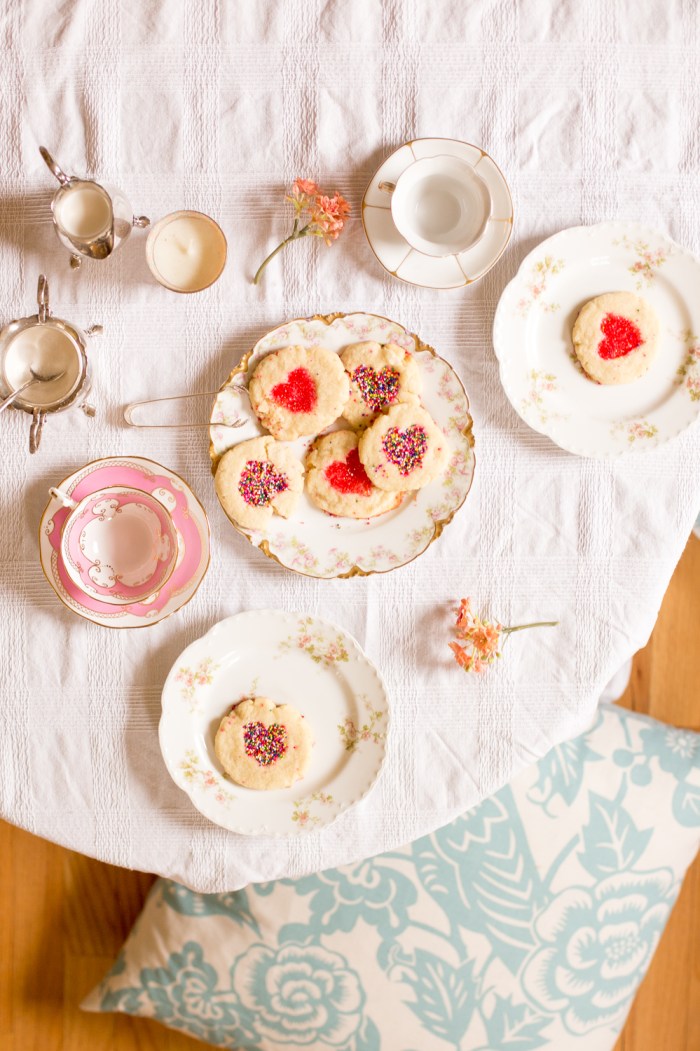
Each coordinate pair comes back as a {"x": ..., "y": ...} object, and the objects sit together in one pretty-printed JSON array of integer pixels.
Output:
[
  {"x": 440, "y": 205},
  {"x": 118, "y": 544}
]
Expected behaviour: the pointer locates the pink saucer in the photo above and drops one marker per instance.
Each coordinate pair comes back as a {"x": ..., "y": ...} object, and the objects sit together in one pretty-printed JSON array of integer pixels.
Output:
[{"x": 189, "y": 519}]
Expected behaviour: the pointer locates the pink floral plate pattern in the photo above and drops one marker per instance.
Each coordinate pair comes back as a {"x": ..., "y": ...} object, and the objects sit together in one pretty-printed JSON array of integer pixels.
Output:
[
  {"x": 190, "y": 522},
  {"x": 321, "y": 545},
  {"x": 532, "y": 339},
  {"x": 303, "y": 661}
]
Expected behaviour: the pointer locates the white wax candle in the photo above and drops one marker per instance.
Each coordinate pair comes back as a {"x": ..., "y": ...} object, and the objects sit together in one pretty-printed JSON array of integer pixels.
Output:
[
  {"x": 186, "y": 251},
  {"x": 85, "y": 212}
]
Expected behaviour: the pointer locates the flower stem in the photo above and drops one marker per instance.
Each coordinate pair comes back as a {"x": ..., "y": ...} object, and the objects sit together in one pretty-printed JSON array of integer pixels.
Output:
[
  {"x": 295, "y": 234},
  {"x": 535, "y": 624}
]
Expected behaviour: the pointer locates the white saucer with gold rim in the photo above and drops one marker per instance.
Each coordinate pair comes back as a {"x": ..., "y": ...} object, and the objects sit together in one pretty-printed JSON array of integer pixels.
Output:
[{"x": 472, "y": 242}]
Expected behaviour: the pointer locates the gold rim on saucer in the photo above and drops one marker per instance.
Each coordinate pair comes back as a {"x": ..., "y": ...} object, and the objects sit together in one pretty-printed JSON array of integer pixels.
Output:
[{"x": 463, "y": 273}]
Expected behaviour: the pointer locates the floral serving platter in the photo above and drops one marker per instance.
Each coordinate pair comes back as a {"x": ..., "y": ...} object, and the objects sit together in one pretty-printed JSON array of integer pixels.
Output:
[
  {"x": 191, "y": 527},
  {"x": 320, "y": 545},
  {"x": 293, "y": 659},
  {"x": 407, "y": 263},
  {"x": 532, "y": 339}
]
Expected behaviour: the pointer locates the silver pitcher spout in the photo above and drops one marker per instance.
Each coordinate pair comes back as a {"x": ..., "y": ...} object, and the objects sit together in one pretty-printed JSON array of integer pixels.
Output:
[{"x": 90, "y": 219}]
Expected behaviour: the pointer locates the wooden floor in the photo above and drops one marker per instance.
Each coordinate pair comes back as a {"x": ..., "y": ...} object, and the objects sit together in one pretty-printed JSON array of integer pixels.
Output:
[{"x": 63, "y": 917}]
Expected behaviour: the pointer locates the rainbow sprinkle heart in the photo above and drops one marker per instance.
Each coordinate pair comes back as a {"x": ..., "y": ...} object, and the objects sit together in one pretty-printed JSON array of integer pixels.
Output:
[
  {"x": 405, "y": 449},
  {"x": 377, "y": 388},
  {"x": 265, "y": 744},
  {"x": 260, "y": 483}
]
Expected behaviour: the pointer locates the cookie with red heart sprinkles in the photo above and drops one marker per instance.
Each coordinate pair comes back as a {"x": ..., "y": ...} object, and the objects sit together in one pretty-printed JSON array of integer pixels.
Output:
[
  {"x": 615, "y": 337},
  {"x": 404, "y": 449},
  {"x": 258, "y": 479},
  {"x": 337, "y": 482},
  {"x": 381, "y": 375},
  {"x": 263, "y": 745},
  {"x": 298, "y": 391}
]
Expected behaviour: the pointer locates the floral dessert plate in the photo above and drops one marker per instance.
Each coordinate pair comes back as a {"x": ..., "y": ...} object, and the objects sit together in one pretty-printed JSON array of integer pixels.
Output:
[
  {"x": 532, "y": 339},
  {"x": 292, "y": 659},
  {"x": 320, "y": 545},
  {"x": 417, "y": 268},
  {"x": 187, "y": 515}
]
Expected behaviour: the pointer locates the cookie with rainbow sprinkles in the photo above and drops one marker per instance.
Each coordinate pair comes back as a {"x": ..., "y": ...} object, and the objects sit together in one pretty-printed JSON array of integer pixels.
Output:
[
  {"x": 258, "y": 479},
  {"x": 263, "y": 745},
  {"x": 381, "y": 376},
  {"x": 404, "y": 449}
]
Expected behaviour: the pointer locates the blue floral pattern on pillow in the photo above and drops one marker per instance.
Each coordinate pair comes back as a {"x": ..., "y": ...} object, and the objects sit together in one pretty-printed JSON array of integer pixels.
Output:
[{"x": 526, "y": 925}]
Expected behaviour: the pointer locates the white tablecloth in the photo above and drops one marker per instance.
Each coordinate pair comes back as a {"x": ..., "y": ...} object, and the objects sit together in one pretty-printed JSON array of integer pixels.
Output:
[{"x": 592, "y": 110}]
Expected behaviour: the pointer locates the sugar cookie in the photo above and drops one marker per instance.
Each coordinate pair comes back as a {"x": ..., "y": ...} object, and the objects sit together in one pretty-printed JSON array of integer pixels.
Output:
[
  {"x": 257, "y": 479},
  {"x": 337, "y": 482},
  {"x": 615, "y": 337},
  {"x": 381, "y": 375},
  {"x": 263, "y": 745},
  {"x": 298, "y": 391},
  {"x": 404, "y": 449}
]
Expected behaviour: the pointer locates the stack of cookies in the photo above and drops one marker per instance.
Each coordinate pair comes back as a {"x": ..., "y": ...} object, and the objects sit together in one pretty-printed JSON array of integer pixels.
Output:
[{"x": 390, "y": 446}]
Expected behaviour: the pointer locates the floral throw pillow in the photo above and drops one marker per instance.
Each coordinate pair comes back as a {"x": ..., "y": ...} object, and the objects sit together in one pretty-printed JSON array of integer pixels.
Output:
[{"x": 525, "y": 925}]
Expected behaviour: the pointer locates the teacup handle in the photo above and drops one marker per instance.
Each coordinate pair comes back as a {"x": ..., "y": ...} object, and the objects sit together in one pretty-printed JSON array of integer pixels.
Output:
[
  {"x": 387, "y": 187},
  {"x": 53, "y": 167},
  {"x": 63, "y": 498}
]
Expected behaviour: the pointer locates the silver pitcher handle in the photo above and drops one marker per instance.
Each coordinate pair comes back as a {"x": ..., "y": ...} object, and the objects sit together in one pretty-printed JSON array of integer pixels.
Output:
[
  {"x": 129, "y": 409},
  {"x": 53, "y": 167},
  {"x": 38, "y": 419},
  {"x": 42, "y": 298}
]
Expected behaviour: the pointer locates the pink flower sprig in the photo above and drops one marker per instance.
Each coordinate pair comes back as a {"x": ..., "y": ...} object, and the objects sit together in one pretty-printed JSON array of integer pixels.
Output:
[
  {"x": 482, "y": 637},
  {"x": 315, "y": 215}
]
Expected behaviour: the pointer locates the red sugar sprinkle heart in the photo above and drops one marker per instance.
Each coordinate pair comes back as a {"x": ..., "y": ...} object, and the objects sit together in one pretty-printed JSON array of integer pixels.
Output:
[
  {"x": 297, "y": 393},
  {"x": 265, "y": 744},
  {"x": 378, "y": 389},
  {"x": 620, "y": 337},
  {"x": 405, "y": 449},
  {"x": 349, "y": 476},
  {"x": 260, "y": 483}
]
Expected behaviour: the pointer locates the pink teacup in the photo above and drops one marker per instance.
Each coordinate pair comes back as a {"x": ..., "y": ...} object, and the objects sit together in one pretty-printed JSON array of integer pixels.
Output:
[{"x": 118, "y": 544}]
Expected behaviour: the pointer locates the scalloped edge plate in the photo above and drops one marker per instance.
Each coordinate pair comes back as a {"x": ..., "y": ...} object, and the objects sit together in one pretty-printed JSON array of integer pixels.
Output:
[
  {"x": 294, "y": 659},
  {"x": 532, "y": 339},
  {"x": 320, "y": 545}
]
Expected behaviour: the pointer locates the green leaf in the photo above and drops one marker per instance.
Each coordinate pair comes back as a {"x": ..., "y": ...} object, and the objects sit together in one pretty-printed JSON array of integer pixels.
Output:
[
  {"x": 612, "y": 842},
  {"x": 686, "y": 804},
  {"x": 445, "y": 995},
  {"x": 515, "y": 1026}
]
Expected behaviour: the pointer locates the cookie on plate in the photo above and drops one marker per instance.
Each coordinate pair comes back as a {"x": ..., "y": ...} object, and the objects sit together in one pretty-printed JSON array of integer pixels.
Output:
[
  {"x": 298, "y": 391},
  {"x": 404, "y": 449},
  {"x": 381, "y": 375},
  {"x": 263, "y": 745},
  {"x": 257, "y": 479},
  {"x": 337, "y": 482},
  {"x": 615, "y": 337}
]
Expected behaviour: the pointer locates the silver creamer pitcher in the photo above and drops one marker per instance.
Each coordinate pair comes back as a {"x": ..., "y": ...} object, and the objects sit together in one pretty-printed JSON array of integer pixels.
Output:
[{"x": 91, "y": 220}]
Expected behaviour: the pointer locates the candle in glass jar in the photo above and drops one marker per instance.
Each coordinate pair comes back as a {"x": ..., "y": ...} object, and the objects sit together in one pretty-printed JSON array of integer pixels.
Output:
[{"x": 186, "y": 251}]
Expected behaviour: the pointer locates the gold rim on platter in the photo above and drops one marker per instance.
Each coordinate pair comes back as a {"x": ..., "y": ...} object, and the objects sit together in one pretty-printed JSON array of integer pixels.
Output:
[{"x": 438, "y": 524}]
